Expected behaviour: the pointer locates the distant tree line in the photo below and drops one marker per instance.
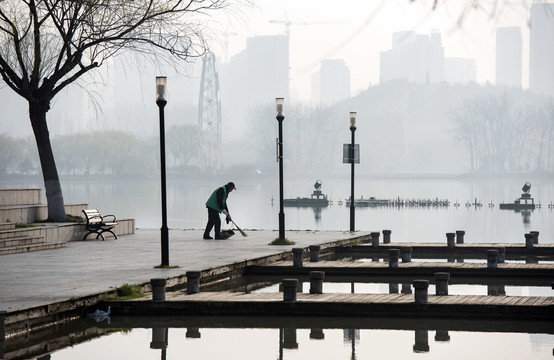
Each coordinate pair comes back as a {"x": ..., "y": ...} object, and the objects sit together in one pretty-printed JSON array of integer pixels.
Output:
[
  {"x": 506, "y": 134},
  {"x": 104, "y": 153}
]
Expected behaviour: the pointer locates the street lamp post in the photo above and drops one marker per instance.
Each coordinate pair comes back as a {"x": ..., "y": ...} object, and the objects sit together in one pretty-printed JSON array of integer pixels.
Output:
[
  {"x": 352, "y": 202},
  {"x": 280, "y": 107},
  {"x": 161, "y": 101}
]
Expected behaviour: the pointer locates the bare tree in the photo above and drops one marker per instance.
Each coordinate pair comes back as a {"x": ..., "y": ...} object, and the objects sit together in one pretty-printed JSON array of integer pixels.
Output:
[{"x": 46, "y": 45}]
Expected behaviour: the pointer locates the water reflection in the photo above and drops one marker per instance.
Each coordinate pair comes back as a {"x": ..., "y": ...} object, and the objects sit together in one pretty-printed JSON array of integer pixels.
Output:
[{"x": 287, "y": 338}]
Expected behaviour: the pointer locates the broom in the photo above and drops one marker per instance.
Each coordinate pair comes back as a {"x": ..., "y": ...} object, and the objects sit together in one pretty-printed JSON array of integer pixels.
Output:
[{"x": 241, "y": 232}]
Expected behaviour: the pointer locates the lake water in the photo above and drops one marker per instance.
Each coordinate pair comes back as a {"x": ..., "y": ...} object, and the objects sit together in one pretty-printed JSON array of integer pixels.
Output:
[
  {"x": 328, "y": 339},
  {"x": 255, "y": 205}
]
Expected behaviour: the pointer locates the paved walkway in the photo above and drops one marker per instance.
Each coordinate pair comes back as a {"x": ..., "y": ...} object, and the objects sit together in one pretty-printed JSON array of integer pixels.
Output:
[{"x": 93, "y": 266}]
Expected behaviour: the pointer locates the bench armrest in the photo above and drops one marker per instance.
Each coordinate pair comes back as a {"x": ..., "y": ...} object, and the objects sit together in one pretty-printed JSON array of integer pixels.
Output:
[{"x": 109, "y": 216}]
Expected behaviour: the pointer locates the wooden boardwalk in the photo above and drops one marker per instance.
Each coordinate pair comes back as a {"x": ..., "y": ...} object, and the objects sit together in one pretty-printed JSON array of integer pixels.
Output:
[
  {"x": 413, "y": 268},
  {"x": 441, "y": 250},
  {"x": 225, "y": 303}
]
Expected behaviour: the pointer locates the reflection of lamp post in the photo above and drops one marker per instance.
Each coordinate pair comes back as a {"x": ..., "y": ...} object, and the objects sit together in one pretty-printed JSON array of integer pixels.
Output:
[
  {"x": 161, "y": 101},
  {"x": 280, "y": 107},
  {"x": 352, "y": 202}
]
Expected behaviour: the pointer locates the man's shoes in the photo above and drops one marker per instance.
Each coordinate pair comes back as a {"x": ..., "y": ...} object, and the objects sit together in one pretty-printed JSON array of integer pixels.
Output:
[{"x": 207, "y": 237}]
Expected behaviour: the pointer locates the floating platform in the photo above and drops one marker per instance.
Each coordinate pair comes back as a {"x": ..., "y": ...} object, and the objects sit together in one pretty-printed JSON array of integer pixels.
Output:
[{"x": 306, "y": 202}]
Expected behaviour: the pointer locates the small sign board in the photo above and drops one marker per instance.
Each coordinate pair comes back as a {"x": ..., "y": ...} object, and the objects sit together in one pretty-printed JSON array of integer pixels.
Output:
[{"x": 346, "y": 157}]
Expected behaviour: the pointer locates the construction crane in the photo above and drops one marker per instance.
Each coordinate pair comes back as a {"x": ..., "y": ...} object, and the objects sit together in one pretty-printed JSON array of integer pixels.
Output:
[{"x": 288, "y": 23}]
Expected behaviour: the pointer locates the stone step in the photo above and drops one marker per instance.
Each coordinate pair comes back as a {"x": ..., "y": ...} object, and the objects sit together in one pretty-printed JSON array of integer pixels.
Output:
[
  {"x": 29, "y": 214},
  {"x": 29, "y": 248},
  {"x": 21, "y": 241},
  {"x": 7, "y": 226},
  {"x": 20, "y": 232},
  {"x": 10, "y": 197}
]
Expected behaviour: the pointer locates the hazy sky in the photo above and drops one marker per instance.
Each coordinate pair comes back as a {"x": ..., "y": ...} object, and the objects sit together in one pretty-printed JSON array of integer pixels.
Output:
[{"x": 358, "y": 30}]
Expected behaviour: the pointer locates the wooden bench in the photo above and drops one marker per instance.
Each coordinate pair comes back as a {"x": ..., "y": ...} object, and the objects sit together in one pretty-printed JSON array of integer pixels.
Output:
[{"x": 98, "y": 224}]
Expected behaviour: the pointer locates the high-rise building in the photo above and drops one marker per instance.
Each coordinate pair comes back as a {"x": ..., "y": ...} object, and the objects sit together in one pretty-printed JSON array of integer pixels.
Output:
[
  {"x": 254, "y": 77},
  {"x": 541, "y": 49},
  {"x": 331, "y": 83},
  {"x": 508, "y": 56},
  {"x": 267, "y": 62},
  {"x": 414, "y": 57},
  {"x": 460, "y": 70}
]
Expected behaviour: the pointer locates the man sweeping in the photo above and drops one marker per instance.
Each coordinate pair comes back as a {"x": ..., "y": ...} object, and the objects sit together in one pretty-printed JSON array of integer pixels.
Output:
[{"x": 216, "y": 204}]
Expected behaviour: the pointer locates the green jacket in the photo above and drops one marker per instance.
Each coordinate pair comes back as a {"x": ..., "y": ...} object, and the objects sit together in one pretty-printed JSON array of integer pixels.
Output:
[{"x": 218, "y": 203}]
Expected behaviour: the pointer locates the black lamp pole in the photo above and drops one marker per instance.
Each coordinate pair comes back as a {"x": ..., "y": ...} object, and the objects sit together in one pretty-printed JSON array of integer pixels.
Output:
[
  {"x": 352, "y": 202},
  {"x": 280, "y": 104},
  {"x": 161, "y": 86}
]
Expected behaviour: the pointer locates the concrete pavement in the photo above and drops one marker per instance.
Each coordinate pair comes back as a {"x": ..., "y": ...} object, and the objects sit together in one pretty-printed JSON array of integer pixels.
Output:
[{"x": 94, "y": 266}]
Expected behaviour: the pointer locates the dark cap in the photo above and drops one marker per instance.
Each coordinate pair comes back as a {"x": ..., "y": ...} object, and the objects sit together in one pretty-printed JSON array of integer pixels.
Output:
[{"x": 231, "y": 185}]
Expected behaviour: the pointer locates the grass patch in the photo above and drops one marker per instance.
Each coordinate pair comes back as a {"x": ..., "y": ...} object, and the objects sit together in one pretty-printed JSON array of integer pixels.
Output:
[
  {"x": 21, "y": 225},
  {"x": 126, "y": 292},
  {"x": 166, "y": 266},
  {"x": 72, "y": 218},
  {"x": 284, "y": 241}
]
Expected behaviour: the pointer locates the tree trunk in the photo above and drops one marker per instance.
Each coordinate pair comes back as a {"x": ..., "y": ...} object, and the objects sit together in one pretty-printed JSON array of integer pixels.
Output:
[{"x": 54, "y": 197}]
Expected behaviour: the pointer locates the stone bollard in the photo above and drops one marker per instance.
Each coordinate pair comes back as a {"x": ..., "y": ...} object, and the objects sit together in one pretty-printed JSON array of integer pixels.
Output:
[
  {"x": 193, "y": 282},
  {"x": 450, "y": 239},
  {"x": 375, "y": 239},
  {"x": 441, "y": 283},
  {"x": 536, "y": 236},
  {"x": 314, "y": 253},
  {"x": 442, "y": 335},
  {"x": 159, "y": 338},
  {"x": 158, "y": 289},
  {"x": 317, "y": 334},
  {"x": 193, "y": 333},
  {"x": 406, "y": 288},
  {"x": 289, "y": 338},
  {"x": 406, "y": 253},
  {"x": 289, "y": 289},
  {"x": 386, "y": 236},
  {"x": 421, "y": 290},
  {"x": 492, "y": 258},
  {"x": 460, "y": 236},
  {"x": 297, "y": 257},
  {"x": 421, "y": 341},
  {"x": 529, "y": 240},
  {"x": 501, "y": 255},
  {"x": 496, "y": 290},
  {"x": 393, "y": 257},
  {"x": 316, "y": 282}
]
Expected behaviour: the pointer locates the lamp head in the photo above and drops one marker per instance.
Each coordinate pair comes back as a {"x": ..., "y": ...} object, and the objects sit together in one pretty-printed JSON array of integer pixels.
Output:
[
  {"x": 161, "y": 88},
  {"x": 353, "y": 116},
  {"x": 280, "y": 107}
]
